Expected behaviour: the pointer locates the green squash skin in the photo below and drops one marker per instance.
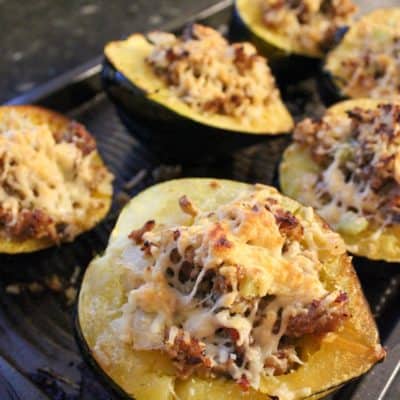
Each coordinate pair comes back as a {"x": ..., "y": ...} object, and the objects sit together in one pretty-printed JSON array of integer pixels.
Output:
[
  {"x": 286, "y": 67},
  {"x": 329, "y": 92},
  {"x": 172, "y": 137},
  {"x": 106, "y": 379}
]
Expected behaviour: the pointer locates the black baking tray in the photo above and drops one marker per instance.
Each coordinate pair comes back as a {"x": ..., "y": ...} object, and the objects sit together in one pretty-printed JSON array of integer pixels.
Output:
[{"x": 39, "y": 358}]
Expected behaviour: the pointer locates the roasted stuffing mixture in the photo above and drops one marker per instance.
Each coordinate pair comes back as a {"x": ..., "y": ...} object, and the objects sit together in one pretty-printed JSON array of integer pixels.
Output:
[
  {"x": 211, "y": 75},
  {"x": 371, "y": 66},
  {"x": 47, "y": 179},
  {"x": 360, "y": 161},
  {"x": 230, "y": 294},
  {"x": 310, "y": 23}
]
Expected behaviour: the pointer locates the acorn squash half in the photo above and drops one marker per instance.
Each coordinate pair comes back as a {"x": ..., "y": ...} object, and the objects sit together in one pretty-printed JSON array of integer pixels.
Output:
[
  {"x": 273, "y": 44},
  {"x": 57, "y": 123},
  {"x": 288, "y": 58},
  {"x": 295, "y": 173},
  {"x": 164, "y": 122},
  {"x": 140, "y": 375},
  {"x": 375, "y": 32}
]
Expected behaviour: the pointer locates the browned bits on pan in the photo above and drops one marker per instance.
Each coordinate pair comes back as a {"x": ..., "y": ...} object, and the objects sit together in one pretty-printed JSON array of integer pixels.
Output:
[
  {"x": 187, "y": 206},
  {"x": 137, "y": 234},
  {"x": 54, "y": 283}
]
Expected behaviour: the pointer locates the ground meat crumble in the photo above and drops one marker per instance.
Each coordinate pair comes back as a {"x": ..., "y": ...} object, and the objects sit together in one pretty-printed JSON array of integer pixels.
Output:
[
  {"x": 312, "y": 23},
  {"x": 211, "y": 75},
  {"x": 211, "y": 315},
  {"x": 24, "y": 182},
  {"x": 360, "y": 160},
  {"x": 367, "y": 62}
]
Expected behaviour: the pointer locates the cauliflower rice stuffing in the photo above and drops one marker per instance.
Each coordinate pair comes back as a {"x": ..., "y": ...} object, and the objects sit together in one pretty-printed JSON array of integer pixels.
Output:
[{"x": 211, "y": 75}]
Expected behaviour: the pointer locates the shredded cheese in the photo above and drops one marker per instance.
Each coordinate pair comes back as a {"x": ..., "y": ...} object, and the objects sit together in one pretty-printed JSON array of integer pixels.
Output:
[
  {"x": 220, "y": 295},
  {"x": 367, "y": 62},
  {"x": 213, "y": 76},
  {"x": 310, "y": 23},
  {"x": 40, "y": 173},
  {"x": 358, "y": 154}
]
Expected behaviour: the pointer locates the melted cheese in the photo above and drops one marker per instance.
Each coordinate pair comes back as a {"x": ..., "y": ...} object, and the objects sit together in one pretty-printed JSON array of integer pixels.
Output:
[
  {"x": 37, "y": 173},
  {"x": 213, "y": 76},
  {"x": 358, "y": 180},
  {"x": 232, "y": 270},
  {"x": 367, "y": 62},
  {"x": 309, "y": 23}
]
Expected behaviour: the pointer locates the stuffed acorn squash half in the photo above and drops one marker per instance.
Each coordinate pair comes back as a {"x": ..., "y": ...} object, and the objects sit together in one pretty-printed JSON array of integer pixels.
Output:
[
  {"x": 304, "y": 28},
  {"x": 216, "y": 289},
  {"x": 366, "y": 62},
  {"x": 347, "y": 166},
  {"x": 195, "y": 93},
  {"x": 53, "y": 183}
]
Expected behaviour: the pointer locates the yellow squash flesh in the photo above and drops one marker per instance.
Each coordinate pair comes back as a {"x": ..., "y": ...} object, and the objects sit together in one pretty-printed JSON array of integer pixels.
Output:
[
  {"x": 250, "y": 13},
  {"x": 150, "y": 375},
  {"x": 384, "y": 23},
  {"x": 296, "y": 171},
  {"x": 129, "y": 57},
  {"x": 56, "y": 122}
]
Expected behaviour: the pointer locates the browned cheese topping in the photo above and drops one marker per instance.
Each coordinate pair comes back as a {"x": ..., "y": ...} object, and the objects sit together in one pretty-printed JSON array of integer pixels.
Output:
[
  {"x": 230, "y": 294},
  {"x": 47, "y": 179},
  {"x": 360, "y": 160},
  {"x": 367, "y": 61},
  {"x": 311, "y": 23},
  {"x": 374, "y": 72},
  {"x": 211, "y": 75}
]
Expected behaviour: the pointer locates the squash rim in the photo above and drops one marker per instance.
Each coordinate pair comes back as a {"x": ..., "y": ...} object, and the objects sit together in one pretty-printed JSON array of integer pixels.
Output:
[
  {"x": 12, "y": 246},
  {"x": 270, "y": 37},
  {"x": 348, "y": 274},
  {"x": 180, "y": 109},
  {"x": 285, "y": 175},
  {"x": 335, "y": 80}
]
